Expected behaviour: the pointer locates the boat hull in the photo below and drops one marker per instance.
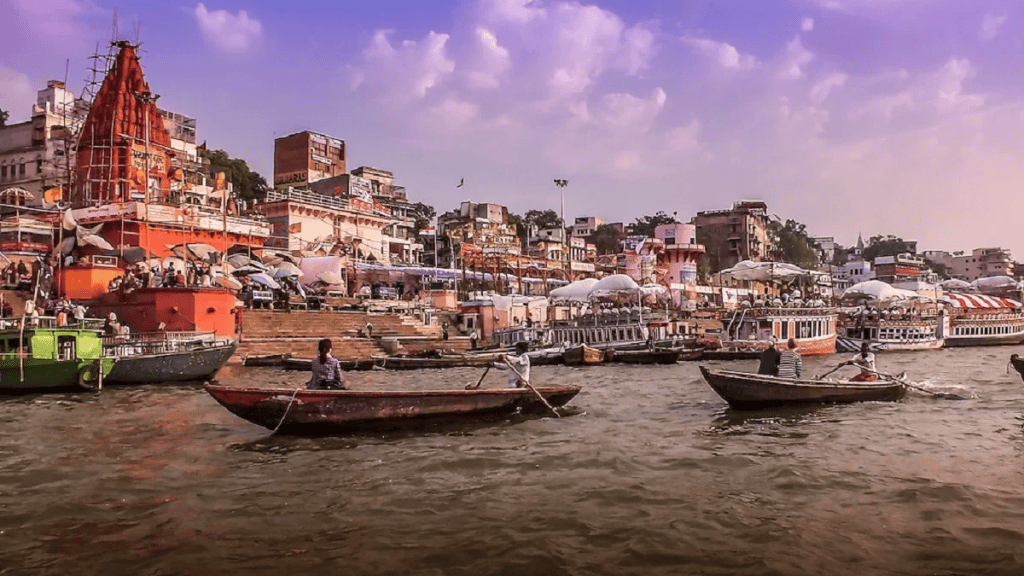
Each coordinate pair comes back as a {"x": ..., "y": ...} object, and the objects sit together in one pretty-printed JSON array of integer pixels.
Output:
[
  {"x": 42, "y": 374},
  {"x": 188, "y": 365},
  {"x": 751, "y": 391},
  {"x": 988, "y": 340},
  {"x": 643, "y": 356},
  {"x": 1018, "y": 364},
  {"x": 326, "y": 411},
  {"x": 582, "y": 356},
  {"x": 848, "y": 344}
]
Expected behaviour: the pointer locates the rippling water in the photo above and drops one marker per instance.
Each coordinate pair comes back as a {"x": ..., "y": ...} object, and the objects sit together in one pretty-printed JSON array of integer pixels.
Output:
[{"x": 651, "y": 473}]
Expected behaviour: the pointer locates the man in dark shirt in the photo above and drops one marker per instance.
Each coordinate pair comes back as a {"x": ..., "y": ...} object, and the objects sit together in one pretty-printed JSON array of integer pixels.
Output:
[{"x": 769, "y": 360}]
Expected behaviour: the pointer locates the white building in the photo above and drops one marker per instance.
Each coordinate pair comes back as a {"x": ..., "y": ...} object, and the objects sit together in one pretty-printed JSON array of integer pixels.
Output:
[{"x": 851, "y": 273}]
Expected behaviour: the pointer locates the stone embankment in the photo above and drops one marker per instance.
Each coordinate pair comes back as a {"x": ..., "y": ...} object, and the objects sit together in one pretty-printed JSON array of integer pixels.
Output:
[{"x": 297, "y": 333}]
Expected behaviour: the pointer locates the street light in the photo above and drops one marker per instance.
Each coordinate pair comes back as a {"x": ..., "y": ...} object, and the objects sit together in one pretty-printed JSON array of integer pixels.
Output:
[{"x": 562, "y": 183}]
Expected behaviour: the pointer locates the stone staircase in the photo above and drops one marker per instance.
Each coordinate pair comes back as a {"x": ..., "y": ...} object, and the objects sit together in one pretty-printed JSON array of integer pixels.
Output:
[{"x": 298, "y": 332}]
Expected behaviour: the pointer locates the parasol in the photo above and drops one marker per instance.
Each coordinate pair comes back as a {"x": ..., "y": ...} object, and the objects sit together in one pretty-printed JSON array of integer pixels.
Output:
[
  {"x": 330, "y": 277},
  {"x": 262, "y": 278}
]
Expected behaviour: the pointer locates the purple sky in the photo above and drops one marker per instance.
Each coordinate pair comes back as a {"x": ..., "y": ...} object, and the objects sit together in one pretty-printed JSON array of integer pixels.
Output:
[{"x": 873, "y": 116}]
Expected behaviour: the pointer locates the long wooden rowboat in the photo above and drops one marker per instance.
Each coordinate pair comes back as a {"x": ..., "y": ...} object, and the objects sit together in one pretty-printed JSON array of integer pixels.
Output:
[
  {"x": 327, "y": 411},
  {"x": 663, "y": 356},
  {"x": 1018, "y": 364},
  {"x": 582, "y": 355},
  {"x": 265, "y": 360},
  {"x": 746, "y": 390}
]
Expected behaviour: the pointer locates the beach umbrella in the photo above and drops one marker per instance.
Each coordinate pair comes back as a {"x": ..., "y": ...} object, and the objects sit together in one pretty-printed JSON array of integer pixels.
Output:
[
  {"x": 229, "y": 282},
  {"x": 246, "y": 270},
  {"x": 877, "y": 292},
  {"x": 15, "y": 194},
  {"x": 68, "y": 220},
  {"x": 283, "y": 272},
  {"x": 330, "y": 277},
  {"x": 203, "y": 251},
  {"x": 263, "y": 278},
  {"x": 291, "y": 268},
  {"x": 238, "y": 260},
  {"x": 86, "y": 236}
]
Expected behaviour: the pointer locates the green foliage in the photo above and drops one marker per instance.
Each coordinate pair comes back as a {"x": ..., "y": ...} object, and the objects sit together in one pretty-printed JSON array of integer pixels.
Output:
[
  {"x": 792, "y": 244},
  {"x": 4, "y": 115},
  {"x": 517, "y": 221},
  {"x": 542, "y": 219},
  {"x": 248, "y": 184},
  {"x": 607, "y": 239},
  {"x": 422, "y": 210},
  {"x": 711, "y": 262},
  {"x": 644, "y": 226},
  {"x": 886, "y": 246}
]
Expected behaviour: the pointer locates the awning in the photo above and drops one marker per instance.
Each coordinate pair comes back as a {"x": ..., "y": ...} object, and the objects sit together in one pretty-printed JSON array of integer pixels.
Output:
[{"x": 977, "y": 301}]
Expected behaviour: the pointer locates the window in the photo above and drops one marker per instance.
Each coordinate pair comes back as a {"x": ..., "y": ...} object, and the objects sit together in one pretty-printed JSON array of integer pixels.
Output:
[
  {"x": 21, "y": 169},
  {"x": 39, "y": 166}
]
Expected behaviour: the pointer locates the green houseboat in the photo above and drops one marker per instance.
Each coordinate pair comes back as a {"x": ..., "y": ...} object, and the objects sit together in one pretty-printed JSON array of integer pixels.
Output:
[{"x": 50, "y": 356}]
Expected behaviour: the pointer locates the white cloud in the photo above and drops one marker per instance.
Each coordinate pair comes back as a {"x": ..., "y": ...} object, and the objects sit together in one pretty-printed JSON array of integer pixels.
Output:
[
  {"x": 796, "y": 58},
  {"x": 821, "y": 89},
  {"x": 490, "y": 63},
  {"x": 521, "y": 11},
  {"x": 990, "y": 25},
  {"x": 724, "y": 54},
  {"x": 627, "y": 112},
  {"x": 232, "y": 33},
  {"x": 807, "y": 24},
  {"x": 16, "y": 94},
  {"x": 407, "y": 71}
]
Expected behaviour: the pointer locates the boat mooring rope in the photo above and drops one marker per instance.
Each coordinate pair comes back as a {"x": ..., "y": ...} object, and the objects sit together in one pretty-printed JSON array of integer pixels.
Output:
[{"x": 285, "y": 415}]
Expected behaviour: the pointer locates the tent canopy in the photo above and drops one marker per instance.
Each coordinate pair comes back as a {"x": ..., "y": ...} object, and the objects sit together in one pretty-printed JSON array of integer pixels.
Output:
[
  {"x": 878, "y": 292},
  {"x": 763, "y": 271}
]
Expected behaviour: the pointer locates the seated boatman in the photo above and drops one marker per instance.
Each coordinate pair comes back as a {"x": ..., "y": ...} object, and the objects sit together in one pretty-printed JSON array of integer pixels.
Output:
[
  {"x": 866, "y": 362},
  {"x": 521, "y": 363}
]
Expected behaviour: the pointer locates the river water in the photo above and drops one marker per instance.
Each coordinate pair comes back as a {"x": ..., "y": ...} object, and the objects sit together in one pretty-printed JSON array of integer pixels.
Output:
[{"x": 649, "y": 473}]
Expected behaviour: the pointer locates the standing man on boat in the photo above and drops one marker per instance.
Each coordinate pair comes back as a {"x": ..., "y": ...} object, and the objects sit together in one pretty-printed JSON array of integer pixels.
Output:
[
  {"x": 866, "y": 362},
  {"x": 770, "y": 360},
  {"x": 518, "y": 366},
  {"x": 791, "y": 365}
]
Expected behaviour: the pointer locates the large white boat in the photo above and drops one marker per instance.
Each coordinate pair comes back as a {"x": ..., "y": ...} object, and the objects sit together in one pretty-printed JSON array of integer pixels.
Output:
[
  {"x": 750, "y": 329},
  {"x": 978, "y": 320},
  {"x": 892, "y": 331}
]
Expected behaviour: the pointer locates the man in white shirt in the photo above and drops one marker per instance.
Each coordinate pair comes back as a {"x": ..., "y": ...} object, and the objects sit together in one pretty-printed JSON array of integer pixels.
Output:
[
  {"x": 866, "y": 362},
  {"x": 521, "y": 363}
]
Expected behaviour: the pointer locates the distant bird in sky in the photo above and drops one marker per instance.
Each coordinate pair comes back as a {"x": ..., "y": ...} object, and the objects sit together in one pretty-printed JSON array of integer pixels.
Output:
[{"x": 461, "y": 182}]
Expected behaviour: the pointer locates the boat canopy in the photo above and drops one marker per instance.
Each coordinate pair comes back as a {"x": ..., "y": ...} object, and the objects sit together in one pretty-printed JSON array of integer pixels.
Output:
[
  {"x": 764, "y": 271},
  {"x": 614, "y": 283},
  {"x": 996, "y": 283},
  {"x": 878, "y": 292},
  {"x": 957, "y": 285},
  {"x": 578, "y": 291},
  {"x": 978, "y": 301}
]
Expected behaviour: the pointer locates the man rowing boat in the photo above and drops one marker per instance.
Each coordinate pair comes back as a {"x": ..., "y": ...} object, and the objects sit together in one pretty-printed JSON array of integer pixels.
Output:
[{"x": 866, "y": 362}]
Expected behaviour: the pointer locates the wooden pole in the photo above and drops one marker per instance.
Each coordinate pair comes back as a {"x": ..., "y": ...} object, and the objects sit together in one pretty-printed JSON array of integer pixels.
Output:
[{"x": 530, "y": 386}]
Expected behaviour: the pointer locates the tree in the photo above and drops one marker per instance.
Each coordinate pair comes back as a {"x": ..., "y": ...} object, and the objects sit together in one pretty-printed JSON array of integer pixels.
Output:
[
  {"x": 248, "y": 184},
  {"x": 517, "y": 221},
  {"x": 421, "y": 210},
  {"x": 792, "y": 244},
  {"x": 645, "y": 225},
  {"x": 607, "y": 239},
  {"x": 542, "y": 219},
  {"x": 710, "y": 263},
  {"x": 886, "y": 246},
  {"x": 4, "y": 115}
]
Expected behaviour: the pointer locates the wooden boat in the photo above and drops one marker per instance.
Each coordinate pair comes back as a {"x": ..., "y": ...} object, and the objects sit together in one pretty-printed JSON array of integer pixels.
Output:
[
  {"x": 746, "y": 390},
  {"x": 582, "y": 355},
  {"x": 690, "y": 354},
  {"x": 166, "y": 356},
  {"x": 327, "y": 411},
  {"x": 266, "y": 360},
  {"x": 656, "y": 356},
  {"x": 1018, "y": 364},
  {"x": 731, "y": 354},
  {"x": 51, "y": 357},
  {"x": 814, "y": 330},
  {"x": 545, "y": 357},
  {"x": 979, "y": 320},
  {"x": 445, "y": 361}
]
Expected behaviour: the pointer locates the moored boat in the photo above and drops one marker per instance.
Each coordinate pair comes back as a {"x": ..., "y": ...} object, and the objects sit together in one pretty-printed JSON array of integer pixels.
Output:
[
  {"x": 656, "y": 356},
  {"x": 51, "y": 357},
  {"x": 582, "y": 355},
  {"x": 1018, "y": 364},
  {"x": 444, "y": 361},
  {"x": 746, "y": 390},
  {"x": 979, "y": 320},
  {"x": 166, "y": 357},
  {"x": 748, "y": 330},
  {"x": 266, "y": 360},
  {"x": 892, "y": 331},
  {"x": 327, "y": 411}
]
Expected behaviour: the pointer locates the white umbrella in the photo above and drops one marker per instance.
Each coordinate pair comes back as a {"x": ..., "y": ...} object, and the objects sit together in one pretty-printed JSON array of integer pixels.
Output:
[
  {"x": 614, "y": 283},
  {"x": 228, "y": 282},
  {"x": 262, "y": 278},
  {"x": 238, "y": 260},
  {"x": 956, "y": 285},
  {"x": 282, "y": 272},
  {"x": 763, "y": 271},
  {"x": 15, "y": 192},
  {"x": 576, "y": 291},
  {"x": 330, "y": 277},
  {"x": 86, "y": 236},
  {"x": 203, "y": 251},
  {"x": 877, "y": 292}
]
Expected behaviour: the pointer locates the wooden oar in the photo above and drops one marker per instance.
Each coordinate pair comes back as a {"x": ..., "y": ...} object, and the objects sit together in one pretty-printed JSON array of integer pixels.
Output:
[
  {"x": 830, "y": 371},
  {"x": 943, "y": 395},
  {"x": 480, "y": 381},
  {"x": 530, "y": 386}
]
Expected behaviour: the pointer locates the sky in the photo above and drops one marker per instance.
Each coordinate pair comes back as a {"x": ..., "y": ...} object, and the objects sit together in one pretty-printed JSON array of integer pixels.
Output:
[{"x": 852, "y": 117}]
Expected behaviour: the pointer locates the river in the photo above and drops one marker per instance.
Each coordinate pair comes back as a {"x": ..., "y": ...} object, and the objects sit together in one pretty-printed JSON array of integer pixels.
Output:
[{"x": 649, "y": 473}]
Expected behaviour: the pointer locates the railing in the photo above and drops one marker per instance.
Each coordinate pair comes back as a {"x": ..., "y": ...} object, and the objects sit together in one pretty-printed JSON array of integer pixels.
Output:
[
  {"x": 308, "y": 197},
  {"x": 156, "y": 343},
  {"x": 50, "y": 322}
]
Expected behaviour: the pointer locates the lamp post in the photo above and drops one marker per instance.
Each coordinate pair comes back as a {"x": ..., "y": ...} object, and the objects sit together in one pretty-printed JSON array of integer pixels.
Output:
[{"x": 562, "y": 183}]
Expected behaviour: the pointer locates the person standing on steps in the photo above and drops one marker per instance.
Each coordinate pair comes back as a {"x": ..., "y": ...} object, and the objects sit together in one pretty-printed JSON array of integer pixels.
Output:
[{"x": 472, "y": 340}]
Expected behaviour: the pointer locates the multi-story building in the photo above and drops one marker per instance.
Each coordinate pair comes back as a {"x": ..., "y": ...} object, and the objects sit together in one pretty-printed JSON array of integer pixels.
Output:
[
  {"x": 740, "y": 233},
  {"x": 485, "y": 226},
  {"x": 850, "y": 273},
  {"x": 982, "y": 262},
  {"x": 300, "y": 218},
  {"x": 825, "y": 246},
  {"x": 305, "y": 157},
  {"x": 899, "y": 268},
  {"x": 681, "y": 252},
  {"x": 585, "y": 226}
]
